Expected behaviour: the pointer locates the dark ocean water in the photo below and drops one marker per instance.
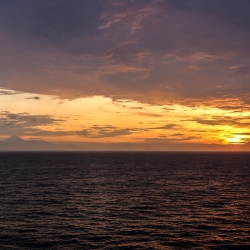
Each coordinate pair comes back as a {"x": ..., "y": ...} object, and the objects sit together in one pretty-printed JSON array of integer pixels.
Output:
[{"x": 124, "y": 201}]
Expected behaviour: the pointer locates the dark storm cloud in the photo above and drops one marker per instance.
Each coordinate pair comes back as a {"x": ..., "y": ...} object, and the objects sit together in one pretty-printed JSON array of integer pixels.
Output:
[{"x": 151, "y": 51}]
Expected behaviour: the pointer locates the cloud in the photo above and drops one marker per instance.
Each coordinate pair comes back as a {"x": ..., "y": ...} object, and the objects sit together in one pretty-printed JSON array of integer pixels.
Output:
[
  {"x": 170, "y": 140},
  {"x": 106, "y": 131},
  {"x": 150, "y": 51},
  {"x": 149, "y": 114},
  {"x": 103, "y": 133},
  {"x": 167, "y": 126},
  {"x": 241, "y": 122},
  {"x": 40, "y": 125},
  {"x": 8, "y": 92},
  {"x": 21, "y": 123},
  {"x": 137, "y": 108},
  {"x": 33, "y": 97},
  {"x": 92, "y": 132},
  {"x": 177, "y": 134}
]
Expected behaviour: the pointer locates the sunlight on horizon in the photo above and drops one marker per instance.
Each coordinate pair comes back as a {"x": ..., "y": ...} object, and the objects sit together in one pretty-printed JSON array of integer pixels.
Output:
[{"x": 101, "y": 119}]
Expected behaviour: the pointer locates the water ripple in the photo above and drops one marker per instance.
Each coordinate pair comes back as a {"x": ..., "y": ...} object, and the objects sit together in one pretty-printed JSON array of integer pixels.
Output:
[{"x": 124, "y": 201}]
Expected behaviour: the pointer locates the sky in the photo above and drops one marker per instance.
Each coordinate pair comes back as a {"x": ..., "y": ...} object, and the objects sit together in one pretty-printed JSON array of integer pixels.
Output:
[{"x": 126, "y": 74}]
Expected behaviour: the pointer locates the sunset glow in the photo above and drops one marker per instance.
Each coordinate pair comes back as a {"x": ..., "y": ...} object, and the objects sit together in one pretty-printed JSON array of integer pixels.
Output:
[
  {"x": 237, "y": 139},
  {"x": 137, "y": 75}
]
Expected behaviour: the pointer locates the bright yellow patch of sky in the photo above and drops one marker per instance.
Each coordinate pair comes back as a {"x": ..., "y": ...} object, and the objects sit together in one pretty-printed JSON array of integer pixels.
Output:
[{"x": 106, "y": 120}]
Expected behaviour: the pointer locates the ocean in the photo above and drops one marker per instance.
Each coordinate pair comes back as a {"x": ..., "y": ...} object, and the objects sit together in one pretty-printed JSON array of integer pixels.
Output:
[{"x": 124, "y": 200}]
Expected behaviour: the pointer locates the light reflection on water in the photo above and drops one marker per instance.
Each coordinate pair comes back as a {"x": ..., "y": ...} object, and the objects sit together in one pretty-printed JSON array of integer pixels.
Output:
[{"x": 125, "y": 200}]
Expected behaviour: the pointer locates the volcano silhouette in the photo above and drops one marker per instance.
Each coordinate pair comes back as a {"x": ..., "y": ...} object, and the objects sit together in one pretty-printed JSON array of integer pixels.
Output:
[{"x": 15, "y": 143}]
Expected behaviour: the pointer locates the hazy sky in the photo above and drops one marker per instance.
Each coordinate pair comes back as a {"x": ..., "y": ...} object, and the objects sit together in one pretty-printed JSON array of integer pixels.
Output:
[{"x": 147, "y": 74}]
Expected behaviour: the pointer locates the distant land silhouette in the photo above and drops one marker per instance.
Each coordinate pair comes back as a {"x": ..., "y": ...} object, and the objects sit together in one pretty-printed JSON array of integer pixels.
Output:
[{"x": 15, "y": 143}]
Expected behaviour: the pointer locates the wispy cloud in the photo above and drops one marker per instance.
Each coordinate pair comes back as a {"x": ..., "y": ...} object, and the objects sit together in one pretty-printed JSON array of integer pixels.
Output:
[
  {"x": 150, "y": 51},
  {"x": 8, "y": 92},
  {"x": 33, "y": 97},
  {"x": 21, "y": 123}
]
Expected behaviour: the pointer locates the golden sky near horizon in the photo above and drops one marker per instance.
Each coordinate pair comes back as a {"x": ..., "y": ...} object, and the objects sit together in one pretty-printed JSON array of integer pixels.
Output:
[
  {"x": 101, "y": 119},
  {"x": 156, "y": 72}
]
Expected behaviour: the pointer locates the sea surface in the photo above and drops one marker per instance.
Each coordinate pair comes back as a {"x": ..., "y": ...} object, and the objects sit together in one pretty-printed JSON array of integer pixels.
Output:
[{"x": 124, "y": 200}]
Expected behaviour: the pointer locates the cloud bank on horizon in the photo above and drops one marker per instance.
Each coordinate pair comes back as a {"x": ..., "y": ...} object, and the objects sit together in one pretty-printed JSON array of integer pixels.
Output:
[{"x": 154, "y": 52}]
